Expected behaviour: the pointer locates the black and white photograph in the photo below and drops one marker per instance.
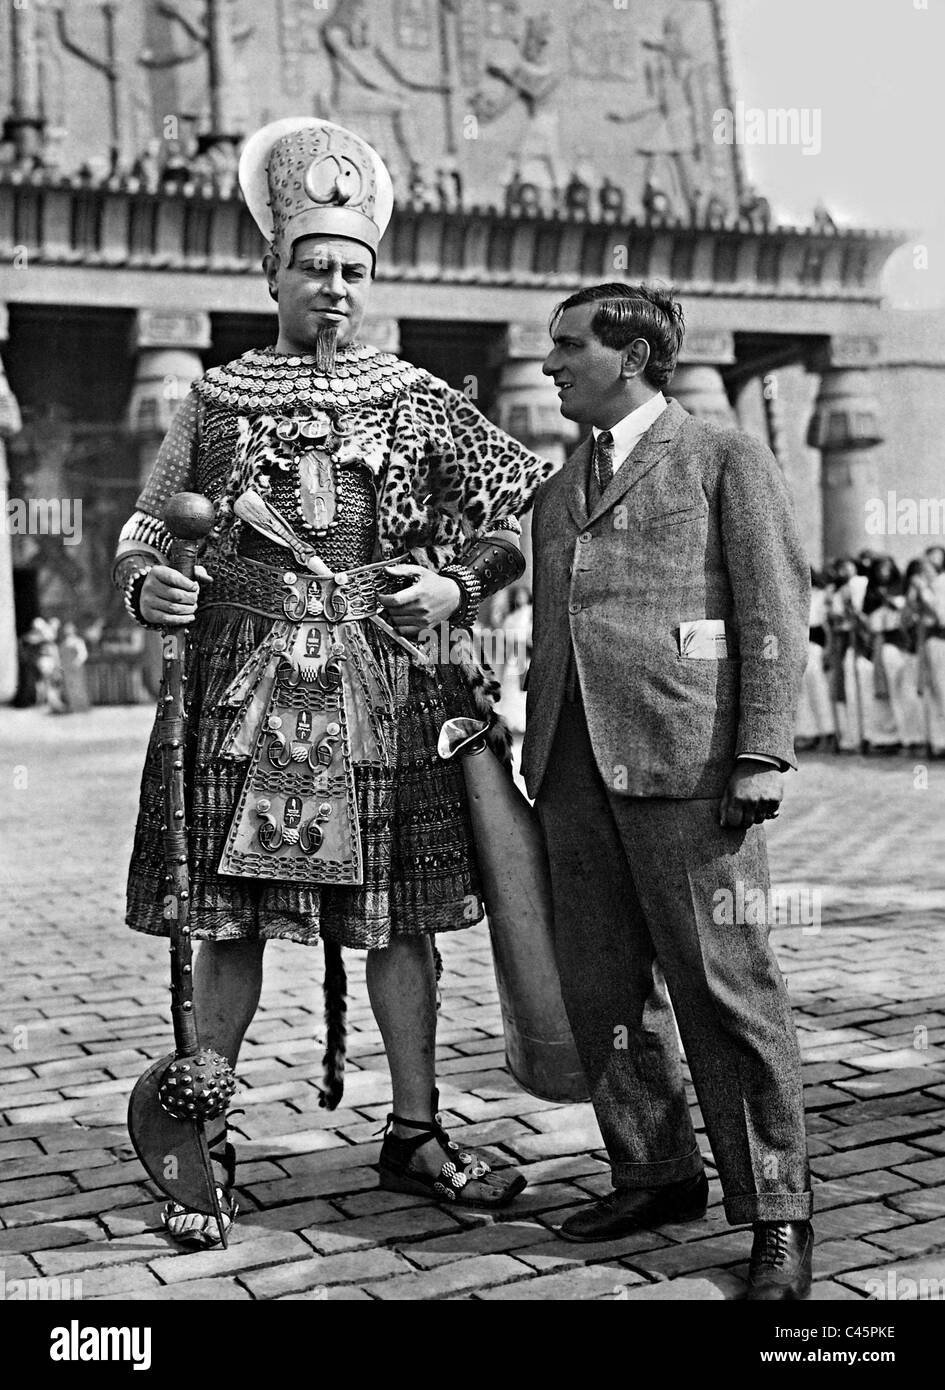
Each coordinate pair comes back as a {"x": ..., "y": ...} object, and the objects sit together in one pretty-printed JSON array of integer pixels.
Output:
[{"x": 472, "y": 667}]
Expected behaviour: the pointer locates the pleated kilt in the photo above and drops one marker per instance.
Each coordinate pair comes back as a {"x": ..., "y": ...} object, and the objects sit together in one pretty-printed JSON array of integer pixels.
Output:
[{"x": 420, "y": 871}]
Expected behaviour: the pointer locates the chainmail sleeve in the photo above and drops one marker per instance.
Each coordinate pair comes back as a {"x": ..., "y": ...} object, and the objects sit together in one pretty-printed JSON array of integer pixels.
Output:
[{"x": 144, "y": 539}]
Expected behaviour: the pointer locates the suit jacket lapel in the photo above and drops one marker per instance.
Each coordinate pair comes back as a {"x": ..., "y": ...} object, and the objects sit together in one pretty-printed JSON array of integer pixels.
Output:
[
  {"x": 576, "y": 490},
  {"x": 646, "y": 455}
]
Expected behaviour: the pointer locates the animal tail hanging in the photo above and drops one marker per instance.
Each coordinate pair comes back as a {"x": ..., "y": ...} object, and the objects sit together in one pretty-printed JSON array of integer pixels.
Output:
[
  {"x": 335, "y": 991},
  {"x": 485, "y": 690}
]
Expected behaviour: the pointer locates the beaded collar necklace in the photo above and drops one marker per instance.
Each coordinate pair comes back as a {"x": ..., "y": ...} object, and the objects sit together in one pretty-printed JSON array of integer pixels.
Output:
[{"x": 264, "y": 381}]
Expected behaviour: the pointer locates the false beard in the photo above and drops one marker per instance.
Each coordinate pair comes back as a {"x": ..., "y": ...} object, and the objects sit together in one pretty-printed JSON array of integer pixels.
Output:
[{"x": 326, "y": 345}]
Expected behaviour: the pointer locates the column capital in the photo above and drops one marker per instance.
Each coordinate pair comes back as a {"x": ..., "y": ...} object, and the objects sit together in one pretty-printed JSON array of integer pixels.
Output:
[
  {"x": 699, "y": 388},
  {"x": 382, "y": 333},
  {"x": 707, "y": 347},
  {"x": 846, "y": 426},
  {"x": 527, "y": 340},
  {"x": 846, "y": 413},
  {"x": 167, "y": 343},
  {"x": 171, "y": 328},
  {"x": 849, "y": 351},
  {"x": 527, "y": 404}
]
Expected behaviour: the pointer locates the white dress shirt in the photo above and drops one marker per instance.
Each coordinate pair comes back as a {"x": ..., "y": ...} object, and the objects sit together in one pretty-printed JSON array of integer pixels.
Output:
[{"x": 628, "y": 432}]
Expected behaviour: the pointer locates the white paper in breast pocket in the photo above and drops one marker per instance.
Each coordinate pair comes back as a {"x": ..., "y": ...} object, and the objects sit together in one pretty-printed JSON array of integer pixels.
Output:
[{"x": 703, "y": 640}]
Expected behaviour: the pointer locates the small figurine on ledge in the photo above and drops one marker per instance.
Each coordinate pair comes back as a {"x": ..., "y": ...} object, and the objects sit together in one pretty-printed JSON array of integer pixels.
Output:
[
  {"x": 754, "y": 211},
  {"x": 823, "y": 221},
  {"x": 612, "y": 201},
  {"x": 657, "y": 207}
]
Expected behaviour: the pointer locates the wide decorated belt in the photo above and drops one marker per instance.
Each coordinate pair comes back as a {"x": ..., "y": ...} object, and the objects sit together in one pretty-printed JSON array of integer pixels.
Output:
[
  {"x": 312, "y": 703},
  {"x": 291, "y": 593}
]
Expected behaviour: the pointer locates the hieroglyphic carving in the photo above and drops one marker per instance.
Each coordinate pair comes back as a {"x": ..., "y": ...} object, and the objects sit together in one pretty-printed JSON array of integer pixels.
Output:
[
  {"x": 708, "y": 346},
  {"x": 220, "y": 37},
  {"x": 297, "y": 30},
  {"x": 544, "y": 81},
  {"x": 370, "y": 92},
  {"x": 670, "y": 127},
  {"x": 413, "y": 23},
  {"x": 156, "y": 328},
  {"x": 501, "y": 18},
  {"x": 531, "y": 79},
  {"x": 603, "y": 42},
  {"x": 470, "y": 95},
  {"x": 848, "y": 350},
  {"x": 468, "y": 21}
]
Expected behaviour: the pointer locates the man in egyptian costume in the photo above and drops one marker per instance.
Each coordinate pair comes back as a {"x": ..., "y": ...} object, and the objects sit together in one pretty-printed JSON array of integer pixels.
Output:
[{"x": 359, "y": 502}]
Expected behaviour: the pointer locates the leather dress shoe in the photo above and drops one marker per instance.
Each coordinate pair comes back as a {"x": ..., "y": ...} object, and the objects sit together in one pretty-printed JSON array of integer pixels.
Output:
[
  {"x": 628, "y": 1209},
  {"x": 781, "y": 1259}
]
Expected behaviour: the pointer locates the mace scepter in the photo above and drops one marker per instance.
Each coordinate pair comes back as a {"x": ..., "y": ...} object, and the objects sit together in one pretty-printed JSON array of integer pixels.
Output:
[{"x": 175, "y": 1098}]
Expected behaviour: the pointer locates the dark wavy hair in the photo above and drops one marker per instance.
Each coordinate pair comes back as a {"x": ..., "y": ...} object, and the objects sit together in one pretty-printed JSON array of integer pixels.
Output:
[
  {"x": 879, "y": 588},
  {"x": 626, "y": 312}
]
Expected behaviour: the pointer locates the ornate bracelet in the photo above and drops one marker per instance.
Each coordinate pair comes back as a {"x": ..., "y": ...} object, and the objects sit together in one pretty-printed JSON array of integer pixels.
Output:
[
  {"x": 470, "y": 589},
  {"x": 131, "y": 594}
]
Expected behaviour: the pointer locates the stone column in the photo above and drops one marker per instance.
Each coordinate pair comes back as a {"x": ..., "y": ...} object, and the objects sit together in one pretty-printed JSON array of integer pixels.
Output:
[
  {"x": 167, "y": 343},
  {"x": 774, "y": 417},
  {"x": 10, "y": 424},
  {"x": 527, "y": 406},
  {"x": 697, "y": 382},
  {"x": 384, "y": 334},
  {"x": 845, "y": 427}
]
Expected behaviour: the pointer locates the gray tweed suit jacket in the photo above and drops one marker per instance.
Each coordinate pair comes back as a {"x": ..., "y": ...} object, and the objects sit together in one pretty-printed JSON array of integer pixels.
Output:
[{"x": 697, "y": 524}]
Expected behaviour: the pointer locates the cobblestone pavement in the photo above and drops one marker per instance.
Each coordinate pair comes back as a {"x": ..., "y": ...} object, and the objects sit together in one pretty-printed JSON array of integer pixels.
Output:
[{"x": 859, "y": 843}]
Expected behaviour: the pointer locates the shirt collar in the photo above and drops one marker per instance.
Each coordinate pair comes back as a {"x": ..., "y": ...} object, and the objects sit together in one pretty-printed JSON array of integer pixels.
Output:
[{"x": 631, "y": 429}]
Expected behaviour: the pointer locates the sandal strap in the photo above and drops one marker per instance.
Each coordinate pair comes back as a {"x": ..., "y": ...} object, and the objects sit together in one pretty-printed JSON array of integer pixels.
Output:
[
  {"x": 228, "y": 1206},
  {"x": 458, "y": 1166},
  {"x": 431, "y": 1125},
  {"x": 222, "y": 1151},
  {"x": 429, "y": 1129},
  {"x": 197, "y": 1227},
  {"x": 227, "y": 1161}
]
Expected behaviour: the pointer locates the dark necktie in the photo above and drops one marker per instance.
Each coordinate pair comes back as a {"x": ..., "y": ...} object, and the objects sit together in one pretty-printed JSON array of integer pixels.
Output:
[{"x": 604, "y": 458}]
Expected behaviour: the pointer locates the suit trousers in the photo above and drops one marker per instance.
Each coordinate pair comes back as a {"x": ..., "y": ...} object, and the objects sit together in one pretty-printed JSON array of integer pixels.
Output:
[{"x": 637, "y": 885}]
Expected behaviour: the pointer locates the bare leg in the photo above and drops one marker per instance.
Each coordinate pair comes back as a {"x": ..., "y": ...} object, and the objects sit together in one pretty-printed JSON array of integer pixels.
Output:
[
  {"x": 227, "y": 983},
  {"x": 402, "y": 989},
  {"x": 401, "y": 983}
]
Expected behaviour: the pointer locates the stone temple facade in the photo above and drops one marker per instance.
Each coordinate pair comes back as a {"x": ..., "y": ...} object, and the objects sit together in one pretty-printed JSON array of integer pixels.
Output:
[{"x": 536, "y": 145}]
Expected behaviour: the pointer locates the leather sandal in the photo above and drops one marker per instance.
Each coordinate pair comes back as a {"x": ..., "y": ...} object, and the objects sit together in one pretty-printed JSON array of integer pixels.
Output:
[
  {"x": 459, "y": 1168},
  {"x": 195, "y": 1229}
]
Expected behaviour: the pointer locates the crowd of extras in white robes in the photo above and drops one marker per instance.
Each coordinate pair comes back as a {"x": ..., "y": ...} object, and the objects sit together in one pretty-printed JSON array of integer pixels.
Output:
[{"x": 875, "y": 677}]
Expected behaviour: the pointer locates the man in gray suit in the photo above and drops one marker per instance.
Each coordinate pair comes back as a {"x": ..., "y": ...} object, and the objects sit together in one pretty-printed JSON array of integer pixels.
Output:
[{"x": 670, "y": 638}]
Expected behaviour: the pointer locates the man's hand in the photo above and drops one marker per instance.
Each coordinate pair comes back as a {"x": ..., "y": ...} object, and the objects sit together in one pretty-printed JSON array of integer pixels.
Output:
[
  {"x": 753, "y": 794},
  {"x": 168, "y": 599},
  {"x": 428, "y": 601}
]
